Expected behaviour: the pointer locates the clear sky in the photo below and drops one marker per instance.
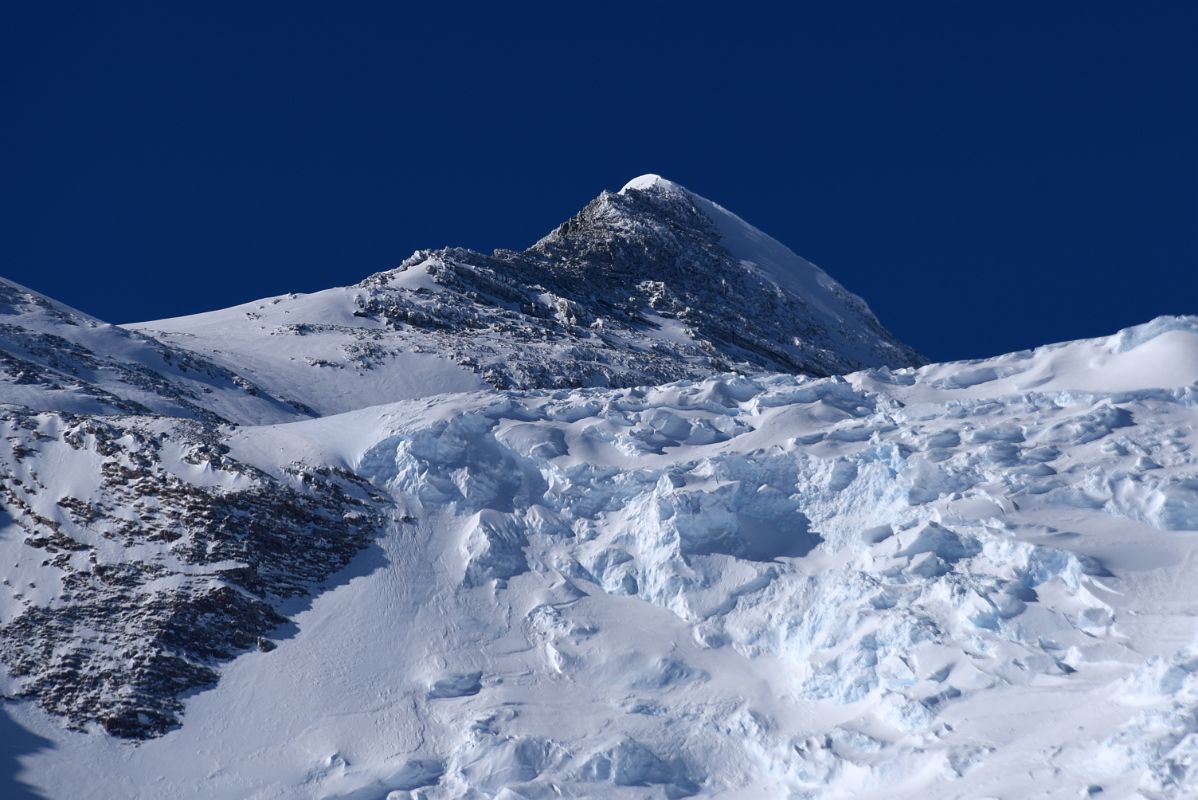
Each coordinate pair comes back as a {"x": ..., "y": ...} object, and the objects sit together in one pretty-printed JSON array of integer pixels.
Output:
[{"x": 989, "y": 176}]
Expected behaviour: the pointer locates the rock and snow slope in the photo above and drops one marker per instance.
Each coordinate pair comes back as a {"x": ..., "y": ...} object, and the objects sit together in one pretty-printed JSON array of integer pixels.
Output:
[
  {"x": 644, "y": 286},
  {"x": 411, "y": 538},
  {"x": 962, "y": 580},
  {"x": 55, "y": 358}
]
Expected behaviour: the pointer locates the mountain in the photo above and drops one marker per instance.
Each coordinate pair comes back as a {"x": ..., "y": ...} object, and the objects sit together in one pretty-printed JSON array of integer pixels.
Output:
[
  {"x": 644, "y": 286},
  {"x": 245, "y": 565}
]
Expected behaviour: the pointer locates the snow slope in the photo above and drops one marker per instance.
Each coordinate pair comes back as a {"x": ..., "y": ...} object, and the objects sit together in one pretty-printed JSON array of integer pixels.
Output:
[
  {"x": 55, "y": 358},
  {"x": 313, "y": 345},
  {"x": 644, "y": 286},
  {"x": 962, "y": 580}
]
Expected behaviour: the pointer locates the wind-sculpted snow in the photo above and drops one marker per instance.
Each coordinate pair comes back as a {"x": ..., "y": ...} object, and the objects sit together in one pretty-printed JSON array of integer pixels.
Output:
[{"x": 964, "y": 580}]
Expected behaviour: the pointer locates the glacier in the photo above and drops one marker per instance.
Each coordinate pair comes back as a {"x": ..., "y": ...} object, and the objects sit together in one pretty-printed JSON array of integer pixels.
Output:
[{"x": 965, "y": 579}]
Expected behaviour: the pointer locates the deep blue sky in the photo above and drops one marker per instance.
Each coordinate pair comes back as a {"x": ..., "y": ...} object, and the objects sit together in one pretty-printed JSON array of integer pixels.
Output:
[{"x": 989, "y": 176}]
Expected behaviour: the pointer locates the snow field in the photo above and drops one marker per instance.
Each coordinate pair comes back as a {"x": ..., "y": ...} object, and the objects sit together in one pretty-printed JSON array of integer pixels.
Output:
[{"x": 967, "y": 580}]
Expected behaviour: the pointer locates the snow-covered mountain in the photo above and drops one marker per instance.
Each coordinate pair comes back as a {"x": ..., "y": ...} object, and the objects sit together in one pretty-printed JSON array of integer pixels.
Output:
[
  {"x": 306, "y": 548},
  {"x": 644, "y": 286}
]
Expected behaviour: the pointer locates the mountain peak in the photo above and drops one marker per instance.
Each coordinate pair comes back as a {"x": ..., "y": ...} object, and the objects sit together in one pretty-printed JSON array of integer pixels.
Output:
[
  {"x": 743, "y": 291},
  {"x": 643, "y": 286},
  {"x": 651, "y": 181}
]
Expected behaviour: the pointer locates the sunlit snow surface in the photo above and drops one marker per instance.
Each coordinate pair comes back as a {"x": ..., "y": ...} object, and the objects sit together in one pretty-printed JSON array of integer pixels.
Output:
[{"x": 968, "y": 580}]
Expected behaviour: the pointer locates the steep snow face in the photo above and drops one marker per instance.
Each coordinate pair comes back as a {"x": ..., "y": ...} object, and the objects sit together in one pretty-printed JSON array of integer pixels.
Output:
[
  {"x": 736, "y": 287},
  {"x": 54, "y": 358},
  {"x": 963, "y": 580},
  {"x": 645, "y": 286},
  {"x": 842, "y": 313}
]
